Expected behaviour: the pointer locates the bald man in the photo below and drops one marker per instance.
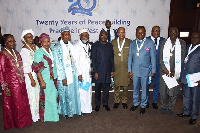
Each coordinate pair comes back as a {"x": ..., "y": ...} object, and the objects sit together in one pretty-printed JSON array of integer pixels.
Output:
[
  {"x": 155, "y": 37},
  {"x": 171, "y": 57}
]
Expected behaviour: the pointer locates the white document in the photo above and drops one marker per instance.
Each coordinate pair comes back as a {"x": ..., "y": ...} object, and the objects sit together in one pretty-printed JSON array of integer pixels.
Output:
[
  {"x": 192, "y": 78},
  {"x": 170, "y": 82}
]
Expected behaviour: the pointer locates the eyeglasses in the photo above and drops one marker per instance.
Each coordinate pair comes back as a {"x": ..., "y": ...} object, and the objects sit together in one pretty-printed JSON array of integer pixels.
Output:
[
  {"x": 155, "y": 31},
  {"x": 11, "y": 41}
]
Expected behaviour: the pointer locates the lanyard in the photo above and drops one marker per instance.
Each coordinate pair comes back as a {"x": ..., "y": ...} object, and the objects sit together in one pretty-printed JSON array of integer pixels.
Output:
[
  {"x": 120, "y": 48},
  {"x": 30, "y": 48},
  {"x": 15, "y": 57},
  {"x": 190, "y": 50},
  {"x": 139, "y": 48},
  {"x": 49, "y": 54}
]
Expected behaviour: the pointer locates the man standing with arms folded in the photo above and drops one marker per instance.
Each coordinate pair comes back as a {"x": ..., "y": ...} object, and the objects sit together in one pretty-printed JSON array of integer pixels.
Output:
[
  {"x": 171, "y": 56},
  {"x": 155, "y": 36},
  {"x": 141, "y": 66},
  {"x": 121, "y": 78}
]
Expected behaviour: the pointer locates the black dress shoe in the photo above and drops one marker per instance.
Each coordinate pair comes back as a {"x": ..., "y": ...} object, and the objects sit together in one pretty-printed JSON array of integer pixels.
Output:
[
  {"x": 155, "y": 106},
  {"x": 133, "y": 108},
  {"x": 66, "y": 116},
  {"x": 107, "y": 108},
  {"x": 142, "y": 110},
  {"x": 97, "y": 108},
  {"x": 192, "y": 121},
  {"x": 116, "y": 105},
  {"x": 147, "y": 106},
  {"x": 182, "y": 115},
  {"x": 125, "y": 106}
]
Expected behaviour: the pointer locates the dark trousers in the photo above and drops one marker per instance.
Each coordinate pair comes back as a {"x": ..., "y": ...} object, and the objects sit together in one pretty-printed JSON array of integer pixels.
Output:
[
  {"x": 191, "y": 101},
  {"x": 105, "y": 87}
]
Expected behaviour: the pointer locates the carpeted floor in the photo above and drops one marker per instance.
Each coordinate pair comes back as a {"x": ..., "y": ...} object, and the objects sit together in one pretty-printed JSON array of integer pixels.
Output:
[{"x": 116, "y": 121}]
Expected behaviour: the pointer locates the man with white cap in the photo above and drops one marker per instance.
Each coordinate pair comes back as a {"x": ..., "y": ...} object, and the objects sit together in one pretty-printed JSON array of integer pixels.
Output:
[
  {"x": 64, "y": 56},
  {"x": 83, "y": 62}
]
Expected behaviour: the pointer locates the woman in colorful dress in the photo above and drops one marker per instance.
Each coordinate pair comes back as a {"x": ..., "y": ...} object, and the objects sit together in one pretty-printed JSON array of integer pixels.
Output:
[
  {"x": 32, "y": 85},
  {"x": 44, "y": 67},
  {"x": 16, "y": 108}
]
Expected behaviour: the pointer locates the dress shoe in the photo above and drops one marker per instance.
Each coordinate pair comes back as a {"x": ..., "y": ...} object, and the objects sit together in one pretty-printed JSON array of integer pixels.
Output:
[
  {"x": 142, "y": 110},
  {"x": 97, "y": 108},
  {"x": 107, "y": 108},
  {"x": 147, "y": 106},
  {"x": 125, "y": 106},
  {"x": 116, "y": 105},
  {"x": 171, "y": 112},
  {"x": 163, "y": 111},
  {"x": 182, "y": 115},
  {"x": 133, "y": 108},
  {"x": 192, "y": 121},
  {"x": 66, "y": 116},
  {"x": 155, "y": 106}
]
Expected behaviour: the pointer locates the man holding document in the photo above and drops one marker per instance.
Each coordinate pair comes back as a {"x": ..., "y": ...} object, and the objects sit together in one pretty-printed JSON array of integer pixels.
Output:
[
  {"x": 190, "y": 77},
  {"x": 171, "y": 56}
]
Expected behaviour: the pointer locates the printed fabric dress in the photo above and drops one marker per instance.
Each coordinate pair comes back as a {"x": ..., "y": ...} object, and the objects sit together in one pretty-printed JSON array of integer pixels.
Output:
[
  {"x": 33, "y": 92},
  {"x": 48, "y": 102},
  {"x": 16, "y": 108}
]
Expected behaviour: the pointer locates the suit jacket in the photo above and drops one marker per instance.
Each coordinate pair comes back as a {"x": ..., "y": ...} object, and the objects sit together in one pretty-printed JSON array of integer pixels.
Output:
[
  {"x": 162, "y": 85},
  {"x": 121, "y": 77},
  {"x": 157, "y": 54},
  {"x": 192, "y": 65},
  {"x": 103, "y": 61},
  {"x": 144, "y": 64}
]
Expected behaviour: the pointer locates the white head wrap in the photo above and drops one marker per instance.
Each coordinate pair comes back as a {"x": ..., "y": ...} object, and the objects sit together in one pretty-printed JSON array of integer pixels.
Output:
[
  {"x": 26, "y": 32},
  {"x": 82, "y": 31}
]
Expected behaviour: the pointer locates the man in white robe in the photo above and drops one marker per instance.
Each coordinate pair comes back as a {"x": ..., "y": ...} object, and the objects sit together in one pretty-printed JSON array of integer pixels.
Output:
[{"x": 83, "y": 63}]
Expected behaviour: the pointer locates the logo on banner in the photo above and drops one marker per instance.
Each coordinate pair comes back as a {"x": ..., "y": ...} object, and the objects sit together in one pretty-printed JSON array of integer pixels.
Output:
[{"x": 83, "y": 7}]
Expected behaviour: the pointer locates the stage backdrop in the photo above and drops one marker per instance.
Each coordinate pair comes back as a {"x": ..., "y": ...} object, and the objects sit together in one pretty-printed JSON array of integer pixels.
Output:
[{"x": 50, "y": 16}]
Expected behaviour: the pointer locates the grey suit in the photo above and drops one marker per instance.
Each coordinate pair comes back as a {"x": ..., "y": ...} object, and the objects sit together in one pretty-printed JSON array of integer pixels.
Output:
[{"x": 163, "y": 89}]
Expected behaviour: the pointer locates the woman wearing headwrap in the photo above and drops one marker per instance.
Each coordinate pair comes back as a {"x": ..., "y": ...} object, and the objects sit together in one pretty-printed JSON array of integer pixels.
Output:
[
  {"x": 32, "y": 85},
  {"x": 44, "y": 67},
  {"x": 16, "y": 109}
]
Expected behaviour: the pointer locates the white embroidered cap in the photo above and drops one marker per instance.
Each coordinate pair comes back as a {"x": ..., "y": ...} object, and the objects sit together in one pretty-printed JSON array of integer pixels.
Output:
[
  {"x": 82, "y": 31},
  {"x": 26, "y": 32}
]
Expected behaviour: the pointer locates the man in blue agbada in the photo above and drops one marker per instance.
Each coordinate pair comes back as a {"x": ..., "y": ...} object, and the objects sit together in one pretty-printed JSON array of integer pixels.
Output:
[{"x": 69, "y": 97}]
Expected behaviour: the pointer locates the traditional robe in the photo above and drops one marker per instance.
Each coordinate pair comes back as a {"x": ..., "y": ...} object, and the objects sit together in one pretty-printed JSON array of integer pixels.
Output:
[
  {"x": 69, "y": 96},
  {"x": 83, "y": 63},
  {"x": 33, "y": 92},
  {"x": 16, "y": 108}
]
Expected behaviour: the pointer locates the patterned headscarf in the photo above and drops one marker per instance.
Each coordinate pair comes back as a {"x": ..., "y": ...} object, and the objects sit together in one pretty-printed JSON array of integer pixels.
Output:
[{"x": 43, "y": 36}]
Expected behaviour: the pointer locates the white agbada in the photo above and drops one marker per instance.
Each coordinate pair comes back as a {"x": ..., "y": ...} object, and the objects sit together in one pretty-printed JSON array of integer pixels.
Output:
[{"x": 83, "y": 62}]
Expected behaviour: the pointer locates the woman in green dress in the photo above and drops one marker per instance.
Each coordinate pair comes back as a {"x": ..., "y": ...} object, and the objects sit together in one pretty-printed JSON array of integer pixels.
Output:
[{"x": 45, "y": 68}]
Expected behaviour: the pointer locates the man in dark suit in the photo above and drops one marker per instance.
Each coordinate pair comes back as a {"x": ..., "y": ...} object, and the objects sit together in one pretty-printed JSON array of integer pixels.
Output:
[
  {"x": 141, "y": 66},
  {"x": 103, "y": 67},
  {"x": 155, "y": 36},
  {"x": 191, "y": 95}
]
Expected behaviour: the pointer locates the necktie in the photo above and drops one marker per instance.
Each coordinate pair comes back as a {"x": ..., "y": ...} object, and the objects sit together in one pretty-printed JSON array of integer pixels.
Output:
[
  {"x": 155, "y": 40},
  {"x": 108, "y": 31}
]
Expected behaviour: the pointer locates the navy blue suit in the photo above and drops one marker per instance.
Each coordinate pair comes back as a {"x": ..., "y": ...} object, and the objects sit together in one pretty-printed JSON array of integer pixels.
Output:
[
  {"x": 103, "y": 64},
  {"x": 156, "y": 77},
  {"x": 191, "y": 95},
  {"x": 141, "y": 66}
]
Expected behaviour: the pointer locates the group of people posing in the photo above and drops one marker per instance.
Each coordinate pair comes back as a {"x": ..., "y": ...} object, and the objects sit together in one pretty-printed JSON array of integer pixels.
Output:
[{"x": 41, "y": 83}]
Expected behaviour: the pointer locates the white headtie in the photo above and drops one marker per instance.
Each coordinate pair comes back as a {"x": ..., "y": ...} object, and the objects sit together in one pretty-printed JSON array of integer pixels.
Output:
[
  {"x": 26, "y": 32},
  {"x": 82, "y": 31}
]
